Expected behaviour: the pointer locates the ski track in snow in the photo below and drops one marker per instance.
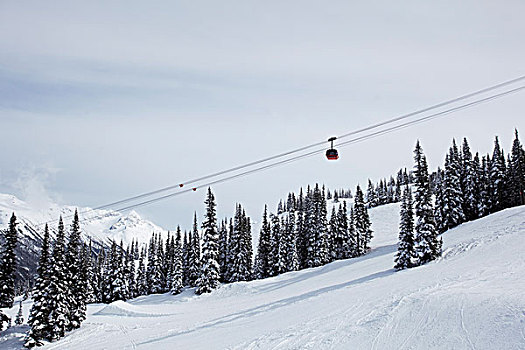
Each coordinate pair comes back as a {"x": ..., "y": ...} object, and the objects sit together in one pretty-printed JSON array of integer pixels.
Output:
[{"x": 470, "y": 298}]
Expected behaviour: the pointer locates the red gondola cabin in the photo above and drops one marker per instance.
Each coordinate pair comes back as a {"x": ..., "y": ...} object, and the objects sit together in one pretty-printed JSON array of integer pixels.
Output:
[{"x": 332, "y": 153}]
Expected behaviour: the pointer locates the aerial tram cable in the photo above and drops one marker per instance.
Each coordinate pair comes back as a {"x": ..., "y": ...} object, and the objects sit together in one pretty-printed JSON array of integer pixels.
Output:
[
  {"x": 300, "y": 149},
  {"x": 371, "y": 127},
  {"x": 321, "y": 150}
]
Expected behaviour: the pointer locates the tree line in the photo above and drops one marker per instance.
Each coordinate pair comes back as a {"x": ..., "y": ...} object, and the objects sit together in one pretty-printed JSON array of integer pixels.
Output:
[
  {"x": 467, "y": 188},
  {"x": 72, "y": 274}
]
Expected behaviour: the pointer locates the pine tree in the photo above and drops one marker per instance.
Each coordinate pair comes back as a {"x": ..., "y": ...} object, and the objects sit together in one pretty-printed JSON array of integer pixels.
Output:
[
  {"x": 333, "y": 234},
  {"x": 468, "y": 183},
  {"x": 129, "y": 273},
  {"x": 397, "y": 193},
  {"x": 344, "y": 237},
  {"x": 223, "y": 249},
  {"x": 497, "y": 178},
  {"x": 142, "y": 281},
  {"x": 291, "y": 260},
  {"x": 301, "y": 231},
  {"x": 56, "y": 296},
  {"x": 362, "y": 224},
  {"x": 38, "y": 316},
  {"x": 159, "y": 278},
  {"x": 210, "y": 274},
  {"x": 99, "y": 280},
  {"x": 371, "y": 195},
  {"x": 168, "y": 262},
  {"x": 280, "y": 208},
  {"x": 239, "y": 248},
  {"x": 453, "y": 206},
  {"x": 427, "y": 240},
  {"x": 19, "y": 320},
  {"x": 406, "y": 253},
  {"x": 160, "y": 271},
  {"x": 195, "y": 255},
  {"x": 517, "y": 176},
  {"x": 176, "y": 282},
  {"x": 477, "y": 175},
  {"x": 150, "y": 266},
  {"x": 8, "y": 265},
  {"x": 88, "y": 271},
  {"x": 354, "y": 240},
  {"x": 76, "y": 286},
  {"x": 485, "y": 187},
  {"x": 185, "y": 260},
  {"x": 440, "y": 202},
  {"x": 248, "y": 248},
  {"x": 274, "y": 253},
  {"x": 318, "y": 231},
  {"x": 281, "y": 248},
  {"x": 115, "y": 281},
  {"x": 262, "y": 260}
]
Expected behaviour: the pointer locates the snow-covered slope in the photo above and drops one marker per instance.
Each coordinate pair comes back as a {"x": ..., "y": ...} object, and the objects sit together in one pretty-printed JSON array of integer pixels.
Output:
[
  {"x": 471, "y": 298},
  {"x": 101, "y": 225}
]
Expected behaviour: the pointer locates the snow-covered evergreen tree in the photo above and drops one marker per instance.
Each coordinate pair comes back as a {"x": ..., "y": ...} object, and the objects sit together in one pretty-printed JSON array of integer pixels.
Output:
[
  {"x": 440, "y": 201},
  {"x": 371, "y": 195},
  {"x": 88, "y": 273},
  {"x": 317, "y": 228},
  {"x": 194, "y": 254},
  {"x": 240, "y": 248},
  {"x": 99, "y": 280},
  {"x": 354, "y": 240},
  {"x": 291, "y": 260},
  {"x": 56, "y": 296},
  {"x": 210, "y": 274},
  {"x": 497, "y": 177},
  {"x": 129, "y": 272},
  {"x": 76, "y": 286},
  {"x": 345, "y": 242},
  {"x": 176, "y": 281},
  {"x": 333, "y": 234},
  {"x": 19, "y": 319},
  {"x": 247, "y": 236},
  {"x": 168, "y": 261},
  {"x": 281, "y": 247},
  {"x": 452, "y": 194},
  {"x": 262, "y": 260},
  {"x": 485, "y": 187},
  {"x": 275, "y": 238},
  {"x": 300, "y": 231},
  {"x": 427, "y": 241},
  {"x": 142, "y": 281},
  {"x": 223, "y": 249},
  {"x": 159, "y": 277},
  {"x": 185, "y": 259},
  {"x": 406, "y": 253},
  {"x": 8, "y": 265},
  {"x": 39, "y": 314},
  {"x": 517, "y": 176},
  {"x": 468, "y": 183},
  {"x": 362, "y": 224},
  {"x": 115, "y": 280}
]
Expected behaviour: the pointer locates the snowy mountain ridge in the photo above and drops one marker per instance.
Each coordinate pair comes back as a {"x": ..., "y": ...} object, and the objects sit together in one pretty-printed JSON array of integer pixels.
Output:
[{"x": 103, "y": 226}]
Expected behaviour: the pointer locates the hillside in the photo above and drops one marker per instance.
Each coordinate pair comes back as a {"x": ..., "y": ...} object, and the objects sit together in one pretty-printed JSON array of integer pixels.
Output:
[{"x": 471, "y": 298}]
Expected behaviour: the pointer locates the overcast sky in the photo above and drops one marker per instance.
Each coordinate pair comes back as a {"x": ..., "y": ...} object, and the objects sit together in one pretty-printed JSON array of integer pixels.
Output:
[{"x": 101, "y": 100}]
